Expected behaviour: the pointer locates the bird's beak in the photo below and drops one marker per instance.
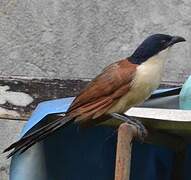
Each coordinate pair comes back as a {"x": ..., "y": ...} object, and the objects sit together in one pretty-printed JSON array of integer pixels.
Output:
[{"x": 176, "y": 39}]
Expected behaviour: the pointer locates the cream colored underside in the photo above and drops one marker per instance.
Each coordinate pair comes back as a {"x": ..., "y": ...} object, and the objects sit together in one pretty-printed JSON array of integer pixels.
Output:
[{"x": 146, "y": 80}]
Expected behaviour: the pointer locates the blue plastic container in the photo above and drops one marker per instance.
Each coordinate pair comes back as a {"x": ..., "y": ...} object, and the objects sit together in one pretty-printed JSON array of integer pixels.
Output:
[{"x": 88, "y": 154}]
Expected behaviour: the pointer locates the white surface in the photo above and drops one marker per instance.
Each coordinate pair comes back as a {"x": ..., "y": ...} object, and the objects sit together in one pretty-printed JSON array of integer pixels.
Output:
[
  {"x": 163, "y": 114},
  {"x": 14, "y": 98}
]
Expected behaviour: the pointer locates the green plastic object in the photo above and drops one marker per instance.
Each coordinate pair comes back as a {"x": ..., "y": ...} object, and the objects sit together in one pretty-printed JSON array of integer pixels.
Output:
[{"x": 185, "y": 95}]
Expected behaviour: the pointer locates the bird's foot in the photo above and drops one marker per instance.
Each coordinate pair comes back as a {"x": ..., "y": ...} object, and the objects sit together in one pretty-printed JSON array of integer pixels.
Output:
[{"x": 141, "y": 130}]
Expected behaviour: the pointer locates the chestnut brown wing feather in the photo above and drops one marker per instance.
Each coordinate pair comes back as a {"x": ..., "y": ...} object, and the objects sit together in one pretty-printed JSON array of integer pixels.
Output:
[{"x": 104, "y": 91}]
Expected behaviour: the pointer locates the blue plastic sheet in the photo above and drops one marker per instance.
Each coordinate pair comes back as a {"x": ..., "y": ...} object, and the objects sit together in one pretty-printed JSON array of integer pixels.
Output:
[{"x": 46, "y": 108}]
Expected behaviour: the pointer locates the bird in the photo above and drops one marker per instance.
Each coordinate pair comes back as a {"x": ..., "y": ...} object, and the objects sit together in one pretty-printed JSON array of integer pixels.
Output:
[{"x": 120, "y": 86}]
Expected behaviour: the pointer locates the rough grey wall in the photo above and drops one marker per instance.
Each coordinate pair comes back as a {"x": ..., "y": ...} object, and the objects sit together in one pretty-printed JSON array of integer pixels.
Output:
[
  {"x": 77, "y": 38},
  {"x": 9, "y": 131}
]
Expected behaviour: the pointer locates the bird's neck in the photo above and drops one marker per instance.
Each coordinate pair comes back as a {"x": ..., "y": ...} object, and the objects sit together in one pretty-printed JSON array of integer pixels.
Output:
[
  {"x": 139, "y": 59},
  {"x": 150, "y": 72},
  {"x": 158, "y": 59}
]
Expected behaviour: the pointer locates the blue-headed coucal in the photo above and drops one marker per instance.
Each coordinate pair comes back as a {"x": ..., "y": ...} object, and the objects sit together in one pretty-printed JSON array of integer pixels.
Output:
[{"x": 119, "y": 87}]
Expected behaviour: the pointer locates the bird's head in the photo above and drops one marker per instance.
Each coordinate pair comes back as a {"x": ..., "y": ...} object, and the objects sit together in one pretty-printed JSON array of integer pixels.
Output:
[{"x": 153, "y": 45}]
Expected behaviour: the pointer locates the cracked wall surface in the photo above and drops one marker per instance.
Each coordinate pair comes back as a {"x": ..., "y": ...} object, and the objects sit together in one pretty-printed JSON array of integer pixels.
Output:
[
  {"x": 77, "y": 38},
  {"x": 70, "y": 39}
]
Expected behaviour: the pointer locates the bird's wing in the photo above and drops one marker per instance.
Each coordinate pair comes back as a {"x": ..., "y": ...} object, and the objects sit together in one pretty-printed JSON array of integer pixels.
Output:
[
  {"x": 102, "y": 92},
  {"x": 92, "y": 103}
]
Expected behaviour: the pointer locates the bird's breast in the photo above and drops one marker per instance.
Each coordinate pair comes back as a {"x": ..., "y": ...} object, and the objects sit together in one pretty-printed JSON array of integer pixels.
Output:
[{"x": 147, "y": 78}]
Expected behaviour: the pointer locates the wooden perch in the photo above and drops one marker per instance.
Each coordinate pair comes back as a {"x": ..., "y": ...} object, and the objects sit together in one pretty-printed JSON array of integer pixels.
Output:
[{"x": 126, "y": 134}]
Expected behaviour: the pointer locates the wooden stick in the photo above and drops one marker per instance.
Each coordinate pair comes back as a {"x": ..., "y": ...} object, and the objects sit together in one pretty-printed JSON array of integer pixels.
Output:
[{"x": 126, "y": 133}]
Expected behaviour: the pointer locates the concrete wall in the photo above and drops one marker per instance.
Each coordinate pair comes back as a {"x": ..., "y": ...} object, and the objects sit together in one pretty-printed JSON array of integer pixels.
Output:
[
  {"x": 9, "y": 131},
  {"x": 76, "y": 38}
]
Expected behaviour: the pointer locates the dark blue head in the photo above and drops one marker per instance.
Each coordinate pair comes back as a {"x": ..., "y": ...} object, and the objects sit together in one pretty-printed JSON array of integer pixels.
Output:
[{"x": 152, "y": 46}]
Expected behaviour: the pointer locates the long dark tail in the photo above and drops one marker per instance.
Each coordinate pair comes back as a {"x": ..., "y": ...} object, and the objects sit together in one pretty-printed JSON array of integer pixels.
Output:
[{"x": 30, "y": 139}]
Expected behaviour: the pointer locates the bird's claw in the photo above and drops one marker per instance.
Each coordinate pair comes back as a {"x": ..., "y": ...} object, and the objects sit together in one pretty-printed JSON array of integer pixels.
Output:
[{"x": 141, "y": 130}]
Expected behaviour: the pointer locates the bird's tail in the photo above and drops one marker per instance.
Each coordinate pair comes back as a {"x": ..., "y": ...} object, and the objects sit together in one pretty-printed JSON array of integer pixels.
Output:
[{"x": 30, "y": 139}]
